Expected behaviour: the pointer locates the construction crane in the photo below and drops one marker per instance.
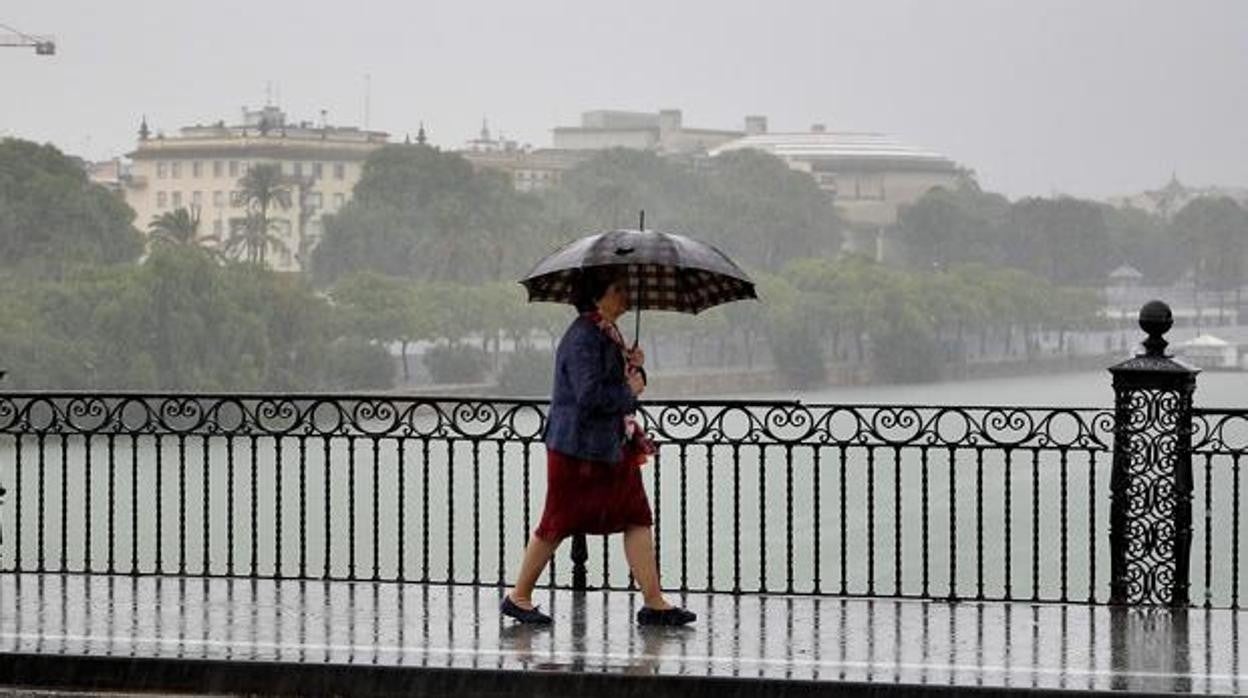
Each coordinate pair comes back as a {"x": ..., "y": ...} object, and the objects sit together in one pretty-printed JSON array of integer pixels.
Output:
[{"x": 44, "y": 45}]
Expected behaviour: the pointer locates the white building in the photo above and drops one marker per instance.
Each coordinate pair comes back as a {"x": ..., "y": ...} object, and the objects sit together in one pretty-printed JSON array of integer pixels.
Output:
[{"x": 199, "y": 168}]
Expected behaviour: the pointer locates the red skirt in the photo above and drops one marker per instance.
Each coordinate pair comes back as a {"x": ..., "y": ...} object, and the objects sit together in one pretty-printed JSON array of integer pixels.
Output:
[{"x": 592, "y": 497}]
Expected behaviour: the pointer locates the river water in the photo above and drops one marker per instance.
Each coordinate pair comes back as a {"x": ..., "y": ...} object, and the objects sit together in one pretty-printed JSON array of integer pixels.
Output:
[{"x": 857, "y": 519}]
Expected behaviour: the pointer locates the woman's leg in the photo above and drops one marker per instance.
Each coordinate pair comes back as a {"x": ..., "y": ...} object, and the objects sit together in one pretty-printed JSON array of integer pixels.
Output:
[
  {"x": 639, "y": 549},
  {"x": 536, "y": 555}
]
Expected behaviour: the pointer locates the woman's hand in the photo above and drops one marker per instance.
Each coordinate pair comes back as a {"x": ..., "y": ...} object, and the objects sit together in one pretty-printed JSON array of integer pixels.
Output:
[
  {"x": 636, "y": 383},
  {"x": 636, "y": 356}
]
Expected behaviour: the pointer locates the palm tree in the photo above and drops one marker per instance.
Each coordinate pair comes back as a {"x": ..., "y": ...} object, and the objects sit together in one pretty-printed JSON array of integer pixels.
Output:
[
  {"x": 251, "y": 237},
  {"x": 177, "y": 227},
  {"x": 263, "y": 187}
]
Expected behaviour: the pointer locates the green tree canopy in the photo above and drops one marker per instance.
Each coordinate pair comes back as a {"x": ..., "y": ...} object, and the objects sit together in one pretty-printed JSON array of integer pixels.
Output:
[
  {"x": 1065, "y": 240},
  {"x": 1214, "y": 231},
  {"x": 749, "y": 203},
  {"x": 421, "y": 213},
  {"x": 949, "y": 227},
  {"x": 52, "y": 218}
]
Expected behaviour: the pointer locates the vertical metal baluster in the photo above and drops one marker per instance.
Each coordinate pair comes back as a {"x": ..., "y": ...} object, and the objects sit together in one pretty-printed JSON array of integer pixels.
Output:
[
  {"x": 502, "y": 510},
  {"x": 205, "y": 484},
  {"x": 64, "y": 564},
  {"x": 112, "y": 503},
  {"x": 788, "y": 517},
  {"x": 762, "y": 519},
  {"x": 88, "y": 495},
  {"x": 229, "y": 506},
  {"x": 134, "y": 503},
  {"x": 1065, "y": 525},
  {"x": 953, "y": 526},
  {"x": 476, "y": 512},
  {"x": 870, "y": 520},
  {"x": 527, "y": 477},
  {"x": 1035, "y": 524},
  {"x": 684, "y": 525},
  {"x": 736, "y": 518},
  {"x": 376, "y": 506},
  {"x": 160, "y": 505},
  {"x": 979, "y": 524},
  {"x": 1092, "y": 527},
  {"x": 255, "y": 525},
  {"x": 450, "y": 510},
  {"x": 351, "y": 508},
  {"x": 925, "y": 522},
  {"x": 303, "y": 503},
  {"x": 42, "y": 546},
  {"x": 277, "y": 506},
  {"x": 658, "y": 506},
  {"x": 818, "y": 525},
  {"x": 424, "y": 510},
  {"x": 327, "y": 486},
  {"x": 1009, "y": 460},
  {"x": 710, "y": 518},
  {"x": 182, "y": 504},
  {"x": 844, "y": 466},
  {"x": 401, "y": 505},
  {"x": 18, "y": 489},
  {"x": 1235, "y": 533},
  {"x": 1208, "y": 531},
  {"x": 897, "y": 510}
]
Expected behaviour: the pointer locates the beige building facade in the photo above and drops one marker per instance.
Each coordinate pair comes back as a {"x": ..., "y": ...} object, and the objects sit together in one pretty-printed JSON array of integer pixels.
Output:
[
  {"x": 663, "y": 132},
  {"x": 869, "y": 175},
  {"x": 199, "y": 169}
]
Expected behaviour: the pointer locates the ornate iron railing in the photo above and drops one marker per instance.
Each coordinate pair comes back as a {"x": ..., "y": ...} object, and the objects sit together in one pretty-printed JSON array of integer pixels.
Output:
[
  {"x": 867, "y": 500},
  {"x": 1219, "y": 445}
]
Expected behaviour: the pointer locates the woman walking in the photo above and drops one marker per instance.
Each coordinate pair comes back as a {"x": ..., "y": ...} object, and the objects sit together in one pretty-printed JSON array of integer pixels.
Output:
[{"x": 594, "y": 452}]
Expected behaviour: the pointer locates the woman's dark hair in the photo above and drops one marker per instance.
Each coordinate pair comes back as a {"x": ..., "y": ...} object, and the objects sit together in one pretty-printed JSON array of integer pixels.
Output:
[{"x": 592, "y": 285}]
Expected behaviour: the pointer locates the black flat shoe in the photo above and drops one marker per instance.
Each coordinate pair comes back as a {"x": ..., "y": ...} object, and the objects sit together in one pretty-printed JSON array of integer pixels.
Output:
[
  {"x": 530, "y": 616},
  {"x": 672, "y": 616}
]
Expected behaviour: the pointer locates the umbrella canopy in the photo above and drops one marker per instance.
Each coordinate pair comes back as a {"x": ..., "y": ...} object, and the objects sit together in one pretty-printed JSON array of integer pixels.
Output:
[{"x": 665, "y": 271}]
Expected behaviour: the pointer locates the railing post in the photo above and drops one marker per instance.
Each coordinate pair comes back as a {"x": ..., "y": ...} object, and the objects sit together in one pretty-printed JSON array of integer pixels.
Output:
[
  {"x": 580, "y": 554},
  {"x": 1150, "y": 518}
]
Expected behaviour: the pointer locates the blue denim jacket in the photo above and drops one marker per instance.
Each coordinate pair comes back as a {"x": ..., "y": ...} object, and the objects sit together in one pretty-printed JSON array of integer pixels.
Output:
[{"x": 590, "y": 396}]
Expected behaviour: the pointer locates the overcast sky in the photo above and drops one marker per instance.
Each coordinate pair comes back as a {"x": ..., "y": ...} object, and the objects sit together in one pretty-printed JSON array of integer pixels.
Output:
[{"x": 1086, "y": 97}]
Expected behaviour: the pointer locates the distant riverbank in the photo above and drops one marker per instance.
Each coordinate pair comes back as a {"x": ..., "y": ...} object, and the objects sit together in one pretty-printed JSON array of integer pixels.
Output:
[{"x": 741, "y": 382}]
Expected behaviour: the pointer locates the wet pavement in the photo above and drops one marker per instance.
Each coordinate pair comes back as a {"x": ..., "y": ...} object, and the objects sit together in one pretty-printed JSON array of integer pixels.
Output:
[{"x": 772, "y": 640}]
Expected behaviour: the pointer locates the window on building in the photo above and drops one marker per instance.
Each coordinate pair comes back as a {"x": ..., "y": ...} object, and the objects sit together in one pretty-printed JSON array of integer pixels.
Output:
[
  {"x": 316, "y": 200},
  {"x": 197, "y": 198},
  {"x": 218, "y": 227},
  {"x": 233, "y": 168},
  {"x": 318, "y": 169},
  {"x": 162, "y": 199},
  {"x": 162, "y": 170},
  {"x": 298, "y": 167},
  {"x": 339, "y": 200},
  {"x": 218, "y": 168},
  {"x": 236, "y": 198},
  {"x": 175, "y": 170},
  {"x": 340, "y": 171},
  {"x": 218, "y": 199},
  {"x": 177, "y": 199},
  {"x": 197, "y": 169}
]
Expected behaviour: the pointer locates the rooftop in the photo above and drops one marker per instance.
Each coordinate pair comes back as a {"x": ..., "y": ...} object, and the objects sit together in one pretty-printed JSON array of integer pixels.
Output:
[{"x": 837, "y": 145}]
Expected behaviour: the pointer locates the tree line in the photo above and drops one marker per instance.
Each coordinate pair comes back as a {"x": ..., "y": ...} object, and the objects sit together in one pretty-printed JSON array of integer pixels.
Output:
[{"x": 428, "y": 250}]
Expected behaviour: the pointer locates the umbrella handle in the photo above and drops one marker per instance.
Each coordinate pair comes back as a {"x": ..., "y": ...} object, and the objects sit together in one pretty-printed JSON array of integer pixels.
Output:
[{"x": 641, "y": 279}]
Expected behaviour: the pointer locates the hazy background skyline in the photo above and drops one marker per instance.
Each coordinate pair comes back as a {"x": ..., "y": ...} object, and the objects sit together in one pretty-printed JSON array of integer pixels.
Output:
[{"x": 1088, "y": 99}]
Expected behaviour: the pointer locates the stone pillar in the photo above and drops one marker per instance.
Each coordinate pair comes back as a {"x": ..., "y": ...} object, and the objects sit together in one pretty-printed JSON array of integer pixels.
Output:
[{"x": 1151, "y": 486}]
